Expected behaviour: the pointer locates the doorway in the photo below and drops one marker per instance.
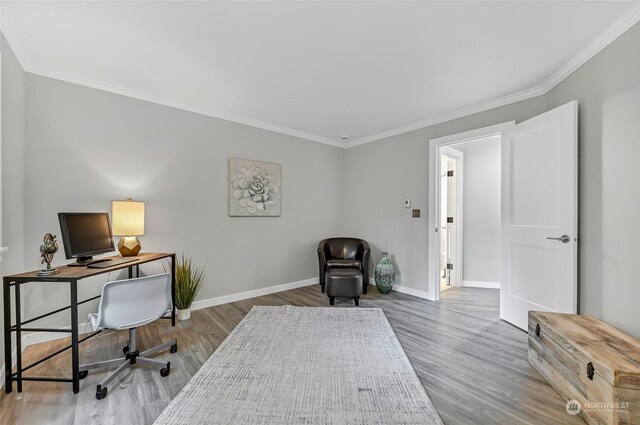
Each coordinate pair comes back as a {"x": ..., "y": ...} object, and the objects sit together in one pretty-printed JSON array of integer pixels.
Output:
[
  {"x": 450, "y": 207},
  {"x": 470, "y": 193},
  {"x": 538, "y": 213},
  {"x": 463, "y": 256}
]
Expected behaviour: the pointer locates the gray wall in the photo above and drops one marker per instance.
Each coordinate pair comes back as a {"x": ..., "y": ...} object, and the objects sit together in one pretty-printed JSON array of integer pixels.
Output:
[
  {"x": 381, "y": 173},
  {"x": 86, "y": 148},
  {"x": 12, "y": 157},
  {"x": 608, "y": 89},
  {"x": 13, "y": 149},
  {"x": 481, "y": 210}
]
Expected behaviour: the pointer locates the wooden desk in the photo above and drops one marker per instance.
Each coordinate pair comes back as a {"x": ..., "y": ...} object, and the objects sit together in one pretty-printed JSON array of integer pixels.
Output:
[{"x": 71, "y": 275}]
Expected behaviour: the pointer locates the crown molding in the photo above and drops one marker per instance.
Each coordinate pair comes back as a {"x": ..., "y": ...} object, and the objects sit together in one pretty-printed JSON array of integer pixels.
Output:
[
  {"x": 227, "y": 116},
  {"x": 622, "y": 24},
  {"x": 470, "y": 110}
]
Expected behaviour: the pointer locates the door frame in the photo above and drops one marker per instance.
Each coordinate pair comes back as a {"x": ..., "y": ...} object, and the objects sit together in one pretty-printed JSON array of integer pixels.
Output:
[
  {"x": 459, "y": 157},
  {"x": 433, "y": 292}
]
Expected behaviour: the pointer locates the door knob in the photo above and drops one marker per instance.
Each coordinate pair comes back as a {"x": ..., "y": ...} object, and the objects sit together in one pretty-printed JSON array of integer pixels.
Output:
[{"x": 563, "y": 239}]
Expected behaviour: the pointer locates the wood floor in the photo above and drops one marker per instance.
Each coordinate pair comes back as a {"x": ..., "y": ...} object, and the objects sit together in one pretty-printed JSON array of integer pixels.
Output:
[{"x": 473, "y": 365}]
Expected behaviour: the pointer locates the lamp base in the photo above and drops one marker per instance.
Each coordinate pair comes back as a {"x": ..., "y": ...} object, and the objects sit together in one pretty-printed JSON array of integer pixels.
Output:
[{"x": 129, "y": 246}]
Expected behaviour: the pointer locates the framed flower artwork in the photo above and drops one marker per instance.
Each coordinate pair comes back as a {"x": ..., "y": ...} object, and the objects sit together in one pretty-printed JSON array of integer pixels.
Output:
[{"x": 254, "y": 188}]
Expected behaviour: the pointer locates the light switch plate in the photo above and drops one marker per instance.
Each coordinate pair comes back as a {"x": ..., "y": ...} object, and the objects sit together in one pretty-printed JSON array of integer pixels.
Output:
[
  {"x": 415, "y": 213},
  {"x": 407, "y": 203}
]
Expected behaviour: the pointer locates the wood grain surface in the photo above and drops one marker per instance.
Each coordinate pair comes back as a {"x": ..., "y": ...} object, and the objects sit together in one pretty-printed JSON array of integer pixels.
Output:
[
  {"x": 567, "y": 343},
  {"x": 614, "y": 354},
  {"x": 68, "y": 272},
  {"x": 473, "y": 365}
]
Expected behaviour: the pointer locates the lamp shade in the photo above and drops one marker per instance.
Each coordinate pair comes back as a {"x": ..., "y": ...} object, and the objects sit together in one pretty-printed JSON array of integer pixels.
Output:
[{"x": 127, "y": 218}]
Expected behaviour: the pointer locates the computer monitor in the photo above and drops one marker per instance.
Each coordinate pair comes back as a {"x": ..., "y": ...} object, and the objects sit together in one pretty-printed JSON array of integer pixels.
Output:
[{"x": 85, "y": 235}]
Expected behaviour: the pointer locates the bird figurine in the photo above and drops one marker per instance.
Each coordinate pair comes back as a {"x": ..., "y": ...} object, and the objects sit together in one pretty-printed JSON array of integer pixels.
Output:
[{"x": 47, "y": 250}]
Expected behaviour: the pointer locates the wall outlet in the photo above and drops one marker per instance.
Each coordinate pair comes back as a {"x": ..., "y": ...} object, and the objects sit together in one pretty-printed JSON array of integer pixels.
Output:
[
  {"x": 407, "y": 203},
  {"x": 415, "y": 213}
]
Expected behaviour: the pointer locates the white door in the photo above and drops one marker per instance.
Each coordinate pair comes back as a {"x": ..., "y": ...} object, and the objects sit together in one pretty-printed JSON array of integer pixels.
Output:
[{"x": 539, "y": 216}]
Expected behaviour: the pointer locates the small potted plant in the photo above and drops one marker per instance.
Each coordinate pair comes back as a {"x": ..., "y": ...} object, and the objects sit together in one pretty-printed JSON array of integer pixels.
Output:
[{"x": 189, "y": 280}]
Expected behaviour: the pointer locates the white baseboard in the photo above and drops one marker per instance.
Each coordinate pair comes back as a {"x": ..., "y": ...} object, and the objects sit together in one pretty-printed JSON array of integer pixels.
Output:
[
  {"x": 405, "y": 290},
  {"x": 14, "y": 359},
  {"x": 210, "y": 302},
  {"x": 411, "y": 291},
  {"x": 38, "y": 337},
  {"x": 480, "y": 284}
]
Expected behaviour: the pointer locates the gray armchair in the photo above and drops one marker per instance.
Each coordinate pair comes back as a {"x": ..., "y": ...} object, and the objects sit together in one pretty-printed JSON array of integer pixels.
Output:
[{"x": 350, "y": 253}]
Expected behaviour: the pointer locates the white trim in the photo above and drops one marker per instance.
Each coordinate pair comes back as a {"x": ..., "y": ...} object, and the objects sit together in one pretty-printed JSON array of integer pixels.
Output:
[
  {"x": 33, "y": 338},
  {"x": 480, "y": 284},
  {"x": 210, "y": 302},
  {"x": 481, "y": 107},
  {"x": 227, "y": 116},
  {"x": 473, "y": 135},
  {"x": 38, "y": 337},
  {"x": 404, "y": 290},
  {"x": 3, "y": 249},
  {"x": 619, "y": 27},
  {"x": 459, "y": 218},
  {"x": 14, "y": 359},
  {"x": 434, "y": 146},
  {"x": 459, "y": 113},
  {"x": 626, "y": 21},
  {"x": 411, "y": 291}
]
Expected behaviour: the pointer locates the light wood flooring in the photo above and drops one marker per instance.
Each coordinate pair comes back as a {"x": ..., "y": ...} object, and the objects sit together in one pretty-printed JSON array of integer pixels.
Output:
[{"x": 473, "y": 365}]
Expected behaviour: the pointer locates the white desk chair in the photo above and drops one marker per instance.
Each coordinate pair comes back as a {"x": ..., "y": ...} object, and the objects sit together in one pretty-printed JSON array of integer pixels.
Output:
[{"x": 127, "y": 304}]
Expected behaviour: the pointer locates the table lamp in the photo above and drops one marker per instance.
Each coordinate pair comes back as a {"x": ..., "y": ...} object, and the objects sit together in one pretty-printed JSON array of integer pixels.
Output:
[{"x": 128, "y": 222}]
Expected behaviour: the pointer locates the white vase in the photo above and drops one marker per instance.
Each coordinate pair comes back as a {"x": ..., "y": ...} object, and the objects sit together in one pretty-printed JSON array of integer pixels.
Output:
[{"x": 184, "y": 314}]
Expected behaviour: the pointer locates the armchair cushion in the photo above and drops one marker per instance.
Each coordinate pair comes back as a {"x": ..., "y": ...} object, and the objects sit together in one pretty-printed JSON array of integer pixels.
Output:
[{"x": 336, "y": 263}]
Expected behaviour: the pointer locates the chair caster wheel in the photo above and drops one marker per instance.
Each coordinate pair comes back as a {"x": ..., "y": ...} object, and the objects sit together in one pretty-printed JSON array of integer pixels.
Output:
[
  {"x": 101, "y": 392},
  {"x": 83, "y": 374},
  {"x": 165, "y": 370},
  {"x": 125, "y": 349},
  {"x": 174, "y": 348}
]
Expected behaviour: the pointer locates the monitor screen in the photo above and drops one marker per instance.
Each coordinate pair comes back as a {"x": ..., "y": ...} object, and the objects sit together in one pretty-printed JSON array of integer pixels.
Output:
[{"x": 85, "y": 234}]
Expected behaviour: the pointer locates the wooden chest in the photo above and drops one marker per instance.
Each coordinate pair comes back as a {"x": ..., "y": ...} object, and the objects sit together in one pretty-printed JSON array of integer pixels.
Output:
[{"x": 586, "y": 360}]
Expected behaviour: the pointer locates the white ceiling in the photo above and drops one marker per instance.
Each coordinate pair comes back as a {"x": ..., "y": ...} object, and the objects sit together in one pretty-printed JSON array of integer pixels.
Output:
[{"x": 313, "y": 69}]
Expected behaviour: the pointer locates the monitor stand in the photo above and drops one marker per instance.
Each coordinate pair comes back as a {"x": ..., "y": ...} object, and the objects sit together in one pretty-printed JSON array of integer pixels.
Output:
[{"x": 85, "y": 261}]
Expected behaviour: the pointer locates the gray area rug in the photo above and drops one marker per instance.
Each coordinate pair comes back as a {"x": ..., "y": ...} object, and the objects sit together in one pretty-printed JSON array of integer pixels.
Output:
[{"x": 305, "y": 365}]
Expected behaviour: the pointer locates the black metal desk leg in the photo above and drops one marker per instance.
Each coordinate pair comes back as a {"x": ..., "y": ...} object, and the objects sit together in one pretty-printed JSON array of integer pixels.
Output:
[
  {"x": 6, "y": 301},
  {"x": 75, "y": 357},
  {"x": 16, "y": 291},
  {"x": 173, "y": 290}
]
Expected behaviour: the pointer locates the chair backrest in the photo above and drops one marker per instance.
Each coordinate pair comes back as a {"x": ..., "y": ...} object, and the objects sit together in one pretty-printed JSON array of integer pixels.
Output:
[
  {"x": 130, "y": 303},
  {"x": 345, "y": 248}
]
